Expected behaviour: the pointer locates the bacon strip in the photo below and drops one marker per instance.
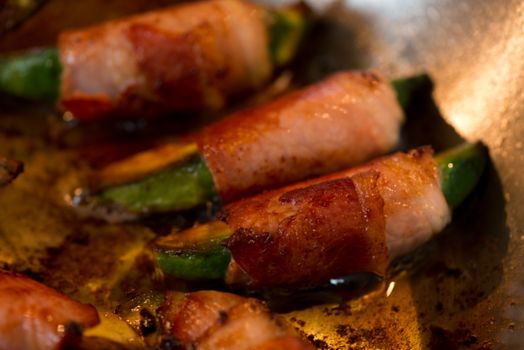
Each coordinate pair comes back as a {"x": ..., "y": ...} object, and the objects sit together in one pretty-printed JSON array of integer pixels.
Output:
[
  {"x": 33, "y": 316},
  {"x": 185, "y": 57},
  {"x": 217, "y": 320},
  {"x": 340, "y": 121},
  {"x": 353, "y": 221}
]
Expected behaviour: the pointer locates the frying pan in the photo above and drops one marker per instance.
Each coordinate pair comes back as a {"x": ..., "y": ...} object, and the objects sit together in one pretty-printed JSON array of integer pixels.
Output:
[{"x": 464, "y": 289}]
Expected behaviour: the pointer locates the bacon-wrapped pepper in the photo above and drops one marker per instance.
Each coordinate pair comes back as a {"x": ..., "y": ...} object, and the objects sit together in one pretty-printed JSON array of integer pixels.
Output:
[
  {"x": 353, "y": 221},
  {"x": 187, "y": 57},
  {"x": 33, "y": 316},
  {"x": 217, "y": 320},
  {"x": 343, "y": 120}
]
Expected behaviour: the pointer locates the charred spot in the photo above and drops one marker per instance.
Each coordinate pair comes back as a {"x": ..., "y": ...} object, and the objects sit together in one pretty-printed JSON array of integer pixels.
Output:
[
  {"x": 30, "y": 273},
  {"x": 375, "y": 336},
  {"x": 147, "y": 322},
  {"x": 440, "y": 268},
  {"x": 222, "y": 215},
  {"x": 318, "y": 343},
  {"x": 343, "y": 330},
  {"x": 222, "y": 316},
  {"x": 301, "y": 323},
  {"x": 441, "y": 338},
  {"x": 253, "y": 306},
  {"x": 170, "y": 343},
  {"x": 419, "y": 152},
  {"x": 9, "y": 170},
  {"x": 72, "y": 336},
  {"x": 279, "y": 321},
  {"x": 370, "y": 77}
]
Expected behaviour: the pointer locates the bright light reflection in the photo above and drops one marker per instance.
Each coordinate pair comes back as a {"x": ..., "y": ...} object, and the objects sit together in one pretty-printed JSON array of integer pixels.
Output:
[
  {"x": 337, "y": 281},
  {"x": 391, "y": 286}
]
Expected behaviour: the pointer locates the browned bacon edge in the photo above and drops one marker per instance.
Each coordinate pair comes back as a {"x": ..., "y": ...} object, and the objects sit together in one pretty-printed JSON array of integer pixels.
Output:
[
  {"x": 341, "y": 121},
  {"x": 211, "y": 320}
]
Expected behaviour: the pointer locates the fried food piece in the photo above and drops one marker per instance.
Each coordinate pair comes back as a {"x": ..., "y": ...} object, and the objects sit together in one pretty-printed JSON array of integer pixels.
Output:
[
  {"x": 35, "y": 317},
  {"x": 217, "y": 320}
]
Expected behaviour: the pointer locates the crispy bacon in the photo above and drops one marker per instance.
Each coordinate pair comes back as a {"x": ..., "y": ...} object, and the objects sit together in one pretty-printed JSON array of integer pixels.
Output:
[
  {"x": 352, "y": 221},
  {"x": 343, "y": 120},
  {"x": 308, "y": 235},
  {"x": 217, "y": 320},
  {"x": 34, "y": 316},
  {"x": 185, "y": 57}
]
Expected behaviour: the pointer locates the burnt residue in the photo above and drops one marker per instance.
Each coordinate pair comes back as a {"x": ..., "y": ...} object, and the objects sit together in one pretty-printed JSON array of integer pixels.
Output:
[
  {"x": 318, "y": 343},
  {"x": 343, "y": 309},
  {"x": 395, "y": 308},
  {"x": 349, "y": 337},
  {"x": 222, "y": 316},
  {"x": 375, "y": 337},
  {"x": 147, "y": 322},
  {"x": 442, "y": 339},
  {"x": 456, "y": 278},
  {"x": 439, "y": 269},
  {"x": 100, "y": 264},
  {"x": 343, "y": 330},
  {"x": 9, "y": 170},
  {"x": 462, "y": 269},
  {"x": 80, "y": 238},
  {"x": 298, "y": 322}
]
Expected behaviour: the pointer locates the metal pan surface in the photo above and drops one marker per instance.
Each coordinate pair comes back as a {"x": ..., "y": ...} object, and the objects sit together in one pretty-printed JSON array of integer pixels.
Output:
[{"x": 464, "y": 289}]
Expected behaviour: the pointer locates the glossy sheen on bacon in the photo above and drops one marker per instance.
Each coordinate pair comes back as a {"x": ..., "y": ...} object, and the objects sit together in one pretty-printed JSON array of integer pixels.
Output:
[
  {"x": 340, "y": 121},
  {"x": 217, "y": 320},
  {"x": 182, "y": 58},
  {"x": 33, "y": 316},
  {"x": 352, "y": 221}
]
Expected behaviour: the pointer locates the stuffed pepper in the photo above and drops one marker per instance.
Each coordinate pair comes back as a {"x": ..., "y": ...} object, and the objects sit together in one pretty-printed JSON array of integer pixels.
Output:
[
  {"x": 34, "y": 316},
  {"x": 308, "y": 233},
  {"x": 189, "y": 57},
  {"x": 345, "y": 119}
]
